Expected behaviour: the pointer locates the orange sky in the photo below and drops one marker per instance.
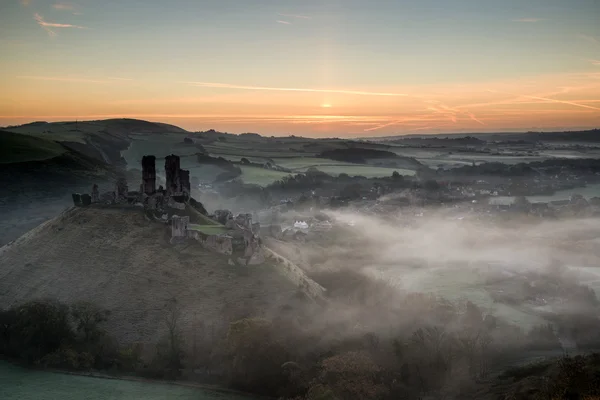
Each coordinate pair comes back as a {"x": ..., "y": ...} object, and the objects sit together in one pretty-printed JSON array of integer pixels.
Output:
[
  {"x": 546, "y": 102},
  {"x": 316, "y": 68}
]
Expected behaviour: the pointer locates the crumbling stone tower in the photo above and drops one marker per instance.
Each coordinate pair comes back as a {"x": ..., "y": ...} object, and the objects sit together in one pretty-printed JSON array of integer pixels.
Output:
[
  {"x": 186, "y": 187},
  {"x": 149, "y": 175},
  {"x": 173, "y": 175}
]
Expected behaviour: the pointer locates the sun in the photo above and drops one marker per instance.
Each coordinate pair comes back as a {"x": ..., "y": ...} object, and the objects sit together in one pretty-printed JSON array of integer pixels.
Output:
[{"x": 326, "y": 105}]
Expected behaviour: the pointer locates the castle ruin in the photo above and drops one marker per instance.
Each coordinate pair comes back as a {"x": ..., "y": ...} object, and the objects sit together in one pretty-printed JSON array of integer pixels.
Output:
[{"x": 171, "y": 205}]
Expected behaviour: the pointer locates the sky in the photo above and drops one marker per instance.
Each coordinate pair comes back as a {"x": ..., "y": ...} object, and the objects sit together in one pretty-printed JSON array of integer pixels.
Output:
[{"x": 312, "y": 67}]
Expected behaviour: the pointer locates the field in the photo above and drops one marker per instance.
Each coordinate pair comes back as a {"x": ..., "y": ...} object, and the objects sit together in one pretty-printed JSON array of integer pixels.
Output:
[
  {"x": 209, "y": 229},
  {"x": 260, "y": 176},
  {"x": 17, "y": 383},
  {"x": 16, "y": 148}
]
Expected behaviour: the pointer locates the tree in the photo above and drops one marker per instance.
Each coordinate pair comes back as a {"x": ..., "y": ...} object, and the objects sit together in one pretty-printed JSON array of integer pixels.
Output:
[
  {"x": 174, "y": 345},
  {"x": 87, "y": 318},
  {"x": 254, "y": 357},
  {"x": 351, "y": 375},
  {"x": 40, "y": 328}
]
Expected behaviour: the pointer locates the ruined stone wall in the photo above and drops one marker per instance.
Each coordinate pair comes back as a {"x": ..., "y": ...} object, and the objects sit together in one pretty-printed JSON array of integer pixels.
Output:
[
  {"x": 179, "y": 226},
  {"x": 95, "y": 194},
  {"x": 121, "y": 189},
  {"x": 296, "y": 275},
  {"x": 220, "y": 243}
]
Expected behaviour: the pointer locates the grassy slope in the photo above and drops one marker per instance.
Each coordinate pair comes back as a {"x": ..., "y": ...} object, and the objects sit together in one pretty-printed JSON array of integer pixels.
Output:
[
  {"x": 124, "y": 263},
  {"x": 16, "y": 148}
]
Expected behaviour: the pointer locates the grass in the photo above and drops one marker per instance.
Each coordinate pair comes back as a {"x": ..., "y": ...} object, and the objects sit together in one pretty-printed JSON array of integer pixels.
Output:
[
  {"x": 209, "y": 229},
  {"x": 302, "y": 163},
  {"x": 15, "y": 148},
  {"x": 260, "y": 176}
]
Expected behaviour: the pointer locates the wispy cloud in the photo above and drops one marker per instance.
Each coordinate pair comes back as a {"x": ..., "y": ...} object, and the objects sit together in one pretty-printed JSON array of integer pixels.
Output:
[
  {"x": 294, "y": 16},
  {"x": 588, "y": 38},
  {"x": 279, "y": 21},
  {"x": 67, "y": 7},
  {"x": 550, "y": 100},
  {"x": 63, "y": 6},
  {"x": 25, "y": 2},
  {"x": 61, "y": 79},
  {"x": 120, "y": 79},
  {"x": 595, "y": 62},
  {"x": 279, "y": 89},
  {"x": 48, "y": 26},
  {"x": 530, "y": 20}
]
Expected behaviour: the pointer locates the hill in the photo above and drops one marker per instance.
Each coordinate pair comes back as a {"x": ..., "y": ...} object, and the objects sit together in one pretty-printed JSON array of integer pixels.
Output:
[
  {"x": 590, "y": 136},
  {"x": 37, "y": 177},
  {"x": 102, "y": 139},
  {"x": 124, "y": 263},
  {"x": 15, "y": 147}
]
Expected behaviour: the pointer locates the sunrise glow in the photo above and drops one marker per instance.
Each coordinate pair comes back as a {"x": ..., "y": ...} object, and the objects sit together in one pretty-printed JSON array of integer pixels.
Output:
[{"x": 387, "y": 68}]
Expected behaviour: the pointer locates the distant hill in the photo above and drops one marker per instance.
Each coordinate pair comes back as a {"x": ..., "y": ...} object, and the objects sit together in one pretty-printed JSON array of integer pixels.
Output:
[
  {"x": 15, "y": 148},
  {"x": 28, "y": 159},
  {"x": 361, "y": 155},
  {"x": 102, "y": 139},
  {"x": 592, "y": 136},
  {"x": 37, "y": 177},
  {"x": 121, "y": 261}
]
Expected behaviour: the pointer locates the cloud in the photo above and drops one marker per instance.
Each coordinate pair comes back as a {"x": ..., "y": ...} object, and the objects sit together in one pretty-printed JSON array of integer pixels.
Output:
[
  {"x": 588, "y": 38},
  {"x": 530, "y": 20},
  {"x": 63, "y": 6},
  {"x": 67, "y": 7},
  {"x": 294, "y": 16},
  {"x": 61, "y": 79},
  {"x": 49, "y": 25},
  {"x": 283, "y": 22},
  {"x": 278, "y": 89},
  {"x": 571, "y": 103},
  {"x": 25, "y": 2},
  {"x": 595, "y": 62}
]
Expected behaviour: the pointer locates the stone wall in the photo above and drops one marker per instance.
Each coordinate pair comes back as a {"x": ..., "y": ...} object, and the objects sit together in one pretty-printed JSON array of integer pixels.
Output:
[
  {"x": 179, "y": 226},
  {"x": 296, "y": 275}
]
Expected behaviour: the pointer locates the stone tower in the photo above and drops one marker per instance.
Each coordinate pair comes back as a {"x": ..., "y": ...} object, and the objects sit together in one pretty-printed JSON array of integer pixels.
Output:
[
  {"x": 186, "y": 186},
  {"x": 148, "y": 175},
  {"x": 173, "y": 177}
]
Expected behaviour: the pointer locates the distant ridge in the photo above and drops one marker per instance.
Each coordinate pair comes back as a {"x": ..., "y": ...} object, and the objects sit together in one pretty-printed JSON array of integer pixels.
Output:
[{"x": 590, "y": 135}]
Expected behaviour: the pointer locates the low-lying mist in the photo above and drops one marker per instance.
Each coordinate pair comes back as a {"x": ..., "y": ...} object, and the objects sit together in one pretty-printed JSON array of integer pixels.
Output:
[{"x": 528, "y": 273}]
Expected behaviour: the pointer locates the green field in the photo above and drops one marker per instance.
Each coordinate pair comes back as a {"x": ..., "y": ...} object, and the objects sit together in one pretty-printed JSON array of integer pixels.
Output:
[
  {"x": 209, "y": 229},
  {"x": 302, "y": 163},
  {"x": 20, "y": 384},
  {"x": 260, "y": 176},
  {"x": 16, "y": 148}
]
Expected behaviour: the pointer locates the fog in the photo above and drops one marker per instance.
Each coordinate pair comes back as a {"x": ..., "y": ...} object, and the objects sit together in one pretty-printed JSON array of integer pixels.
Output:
[{"x": 526, "y": 273}]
